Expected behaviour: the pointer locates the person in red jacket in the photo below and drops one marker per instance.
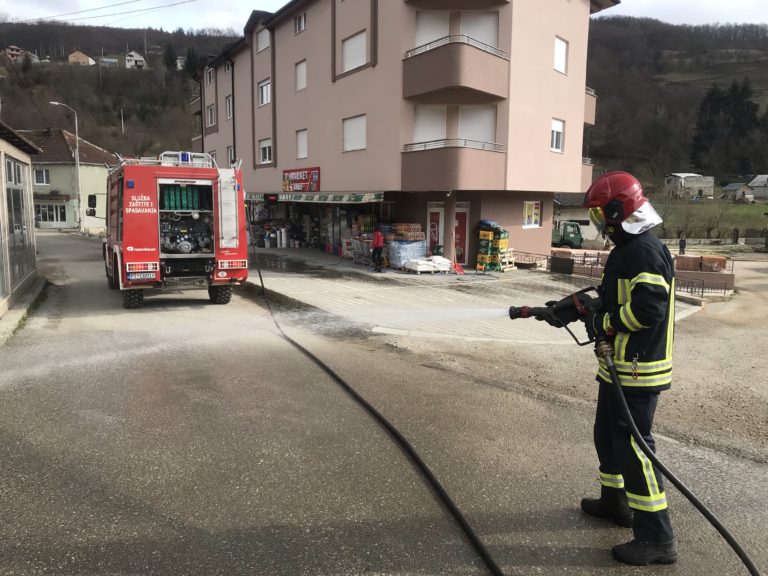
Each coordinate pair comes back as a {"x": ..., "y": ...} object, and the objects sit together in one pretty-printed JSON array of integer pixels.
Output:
[{"x": 378, "y": 248}]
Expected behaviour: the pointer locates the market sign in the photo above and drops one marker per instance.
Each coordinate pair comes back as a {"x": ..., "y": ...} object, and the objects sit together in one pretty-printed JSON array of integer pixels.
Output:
[
  {"x": 301, "y": 180},
  {"x": 334, "y": 198},
  {"x": 352, "y": 198}
]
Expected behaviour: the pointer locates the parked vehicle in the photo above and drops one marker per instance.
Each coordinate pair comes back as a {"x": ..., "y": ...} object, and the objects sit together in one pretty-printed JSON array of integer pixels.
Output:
[
  {"x": 175, "y": 221},
  {"x": 567, "y": 233}
]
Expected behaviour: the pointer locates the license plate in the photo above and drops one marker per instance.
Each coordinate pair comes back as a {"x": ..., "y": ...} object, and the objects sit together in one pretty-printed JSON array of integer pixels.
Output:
[{"x": 141, "y": 275}]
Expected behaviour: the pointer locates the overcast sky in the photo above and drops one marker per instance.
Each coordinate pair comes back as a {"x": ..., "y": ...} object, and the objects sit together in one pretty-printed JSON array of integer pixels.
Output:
[{"x": 198, "y": 14}]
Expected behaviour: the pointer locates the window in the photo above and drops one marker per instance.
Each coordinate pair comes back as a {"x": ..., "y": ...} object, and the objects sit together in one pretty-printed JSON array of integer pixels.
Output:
[
  {"x": 477, "y": 123},
  {"x": 265, "y": 92},
  {"x": 227, "y": 66},
  {"x": 42, "y": 176},
  {"x": 230, "y": 155},
  {"x": 228, "y": 103},
  {"x": 482, "y": 26},
  {"x": 210, "y": 115},
  {"x": 431, "y": 26},
  {"x": 301, "y": 75},
  {"x": 262, "y": 40},
  {"x": 354, "y": 133},
  {"x": 429, "y": 123},
  {"x": 300, "y": 23},
  {"x": 561, "y": 55},
  {"x": 209, "y": 76},
  {"x": 301, "y": 143},
  {"x": 354, "y": 51},
  {"x": 50, "y": 213},
  {"x": 265, "y": 151},
  {"x": 531, "y": 214},
  {"x": 557, "y": 140}
]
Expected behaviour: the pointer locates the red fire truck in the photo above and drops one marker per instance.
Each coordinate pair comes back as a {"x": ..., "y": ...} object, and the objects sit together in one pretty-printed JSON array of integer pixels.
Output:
[{"x": 175, "y": 221}]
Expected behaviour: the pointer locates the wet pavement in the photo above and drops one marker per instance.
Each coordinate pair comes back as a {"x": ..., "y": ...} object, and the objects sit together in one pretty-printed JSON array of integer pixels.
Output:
[{"x": 471, "y": 307}]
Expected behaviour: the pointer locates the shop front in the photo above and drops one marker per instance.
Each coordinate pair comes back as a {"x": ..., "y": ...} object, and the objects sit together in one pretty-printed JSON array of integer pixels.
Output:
[
  {"x": 302, "y": 215},
  {"x": 317, "y": 220}
]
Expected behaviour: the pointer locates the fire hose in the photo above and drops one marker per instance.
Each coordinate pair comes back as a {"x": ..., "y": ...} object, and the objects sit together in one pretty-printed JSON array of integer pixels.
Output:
[{"x": 578, "y": 306}]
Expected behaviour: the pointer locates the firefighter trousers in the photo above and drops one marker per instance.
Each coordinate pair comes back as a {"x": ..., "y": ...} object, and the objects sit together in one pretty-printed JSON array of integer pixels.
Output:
[{"x": 624, "y": 466}]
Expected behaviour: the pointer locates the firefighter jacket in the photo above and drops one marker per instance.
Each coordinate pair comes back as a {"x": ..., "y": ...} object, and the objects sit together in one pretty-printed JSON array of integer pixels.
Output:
[{"x": 638, "y": 295}]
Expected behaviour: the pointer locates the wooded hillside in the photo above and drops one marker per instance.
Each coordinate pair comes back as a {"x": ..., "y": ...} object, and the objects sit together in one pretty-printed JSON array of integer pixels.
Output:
[
  {"x": 654, "y": 83},
  {"x": 657, "y": 110},
  {"x": 130, "y": 112}
]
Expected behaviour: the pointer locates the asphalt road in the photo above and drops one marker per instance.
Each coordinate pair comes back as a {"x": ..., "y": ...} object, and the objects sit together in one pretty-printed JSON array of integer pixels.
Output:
[{"x": 190, "y": 439}]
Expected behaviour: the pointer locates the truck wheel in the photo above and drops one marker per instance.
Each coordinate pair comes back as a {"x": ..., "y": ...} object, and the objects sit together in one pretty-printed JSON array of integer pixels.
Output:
[
  {"x": 111, "y": 280},
  {"x": 132, "y": 299},
  {"x": 220, "y": 294}
]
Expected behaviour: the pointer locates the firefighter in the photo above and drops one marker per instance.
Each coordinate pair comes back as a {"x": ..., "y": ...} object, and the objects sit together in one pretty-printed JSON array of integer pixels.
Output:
[{"x": 637, "y": 316}]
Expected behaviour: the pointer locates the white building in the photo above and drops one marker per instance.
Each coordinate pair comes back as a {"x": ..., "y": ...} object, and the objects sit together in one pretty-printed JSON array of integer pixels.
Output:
[
  {"x": 135, "y": 60},
  {"x": 759, "y": 186},
  {"x": 686, "y": 184}
]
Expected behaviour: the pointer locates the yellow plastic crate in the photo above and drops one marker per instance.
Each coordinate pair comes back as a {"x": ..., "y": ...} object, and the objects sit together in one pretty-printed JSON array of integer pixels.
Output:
[
  {"x": 486, "y": 234},
  {"x": 501, "y": 244}
]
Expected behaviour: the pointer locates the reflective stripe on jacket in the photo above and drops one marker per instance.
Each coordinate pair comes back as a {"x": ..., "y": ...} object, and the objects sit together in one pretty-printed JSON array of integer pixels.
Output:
[{"x": 638, "y": 293}]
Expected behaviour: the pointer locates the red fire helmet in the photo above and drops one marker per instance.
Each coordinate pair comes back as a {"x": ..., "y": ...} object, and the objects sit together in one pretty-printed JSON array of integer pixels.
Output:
[{"x": 615, "y": 196}]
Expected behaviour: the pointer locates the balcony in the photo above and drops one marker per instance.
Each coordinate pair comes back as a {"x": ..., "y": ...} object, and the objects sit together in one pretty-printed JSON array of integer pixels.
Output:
[
  {"x": 586, "y": 173},
  {"x": 590, "y": 106},
  {"x": 456, "y": 4},
  {"x": 453, "y": 164},
  {"x": 456, "y": 69}
]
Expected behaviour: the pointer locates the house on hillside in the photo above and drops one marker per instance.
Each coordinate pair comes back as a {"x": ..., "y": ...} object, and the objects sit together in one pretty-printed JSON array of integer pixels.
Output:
[
  {"x": 109, "y": 62},
  {"x": 181, "y": 61},
  {"x": 737, "y": 192},
  {"x": 688, "y": 185},
  {"x": 134, "y": 60},
  {"x": 759, "y": 186},
  {"x": 14, "y": 54},
  {"x": 446, "y": 123},
  {"x": 17, "y": 238},
  {"x": 55, "y": 180},
  {"x": 79, "y": 58}
]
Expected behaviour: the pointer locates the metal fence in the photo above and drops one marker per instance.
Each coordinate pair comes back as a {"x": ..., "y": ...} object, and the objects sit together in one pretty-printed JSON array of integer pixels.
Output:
[{"x": 700, "y": 288}]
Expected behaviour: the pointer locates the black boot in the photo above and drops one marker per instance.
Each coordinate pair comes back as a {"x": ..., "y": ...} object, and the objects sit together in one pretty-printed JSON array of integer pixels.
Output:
[
  {"x": 612, "y": 505},
  {"x": 639, "y": 553}
]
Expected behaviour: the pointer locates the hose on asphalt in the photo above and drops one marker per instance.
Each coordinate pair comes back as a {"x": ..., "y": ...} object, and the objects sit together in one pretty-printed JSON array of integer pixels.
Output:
[
  {"x": 399, "y": 439},
  {"x": 619, "y": 393}
]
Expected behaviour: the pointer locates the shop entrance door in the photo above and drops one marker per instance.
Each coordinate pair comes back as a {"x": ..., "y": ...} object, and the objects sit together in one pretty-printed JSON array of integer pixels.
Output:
[{"x": 435, "y": 218}]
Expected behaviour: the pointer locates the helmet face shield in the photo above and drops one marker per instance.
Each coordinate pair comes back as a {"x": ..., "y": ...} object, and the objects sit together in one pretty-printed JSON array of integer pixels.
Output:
[{"x": 597, "y": 218}]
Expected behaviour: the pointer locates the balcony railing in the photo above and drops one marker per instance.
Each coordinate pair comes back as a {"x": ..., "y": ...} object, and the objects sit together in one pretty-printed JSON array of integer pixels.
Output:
[
  {"x": 591, "y": 91},
  {"x": 587, "y": 161},
  {"x": 456, "y": 38},
  {"x": 453, "y": 143}
]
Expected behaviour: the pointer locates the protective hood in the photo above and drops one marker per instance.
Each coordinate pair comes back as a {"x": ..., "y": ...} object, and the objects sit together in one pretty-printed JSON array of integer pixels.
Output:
[{"x": 642, "y": 219}]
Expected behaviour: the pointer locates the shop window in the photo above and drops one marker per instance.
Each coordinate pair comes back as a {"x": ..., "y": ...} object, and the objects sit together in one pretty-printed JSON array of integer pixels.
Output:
[
  {"x": 56, "y": 213},
  {"x": 532, "y": 214}
]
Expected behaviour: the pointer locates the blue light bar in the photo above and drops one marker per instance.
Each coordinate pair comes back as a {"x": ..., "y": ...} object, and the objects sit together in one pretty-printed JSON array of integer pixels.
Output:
[{"x": 185, "y": 156}]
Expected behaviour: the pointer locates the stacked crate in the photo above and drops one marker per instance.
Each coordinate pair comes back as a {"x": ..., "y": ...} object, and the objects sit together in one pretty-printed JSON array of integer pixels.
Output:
[{"x": 493, "y": 245}]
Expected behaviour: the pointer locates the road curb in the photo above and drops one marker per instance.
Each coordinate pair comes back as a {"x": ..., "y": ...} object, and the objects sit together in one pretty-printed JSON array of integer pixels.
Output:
[{"x": 20, "y": 310}]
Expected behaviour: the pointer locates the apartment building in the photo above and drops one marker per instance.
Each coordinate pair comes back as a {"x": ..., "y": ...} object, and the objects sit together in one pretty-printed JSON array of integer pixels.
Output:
[{"x": 437, "y": 112}]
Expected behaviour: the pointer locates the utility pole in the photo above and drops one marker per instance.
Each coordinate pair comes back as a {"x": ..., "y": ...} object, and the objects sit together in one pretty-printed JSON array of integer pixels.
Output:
[{"x": 77, "y": 164}]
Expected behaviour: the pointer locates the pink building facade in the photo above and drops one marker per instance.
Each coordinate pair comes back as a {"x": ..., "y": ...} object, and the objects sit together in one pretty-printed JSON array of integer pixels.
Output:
[{"x": 441, "y": 113}]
